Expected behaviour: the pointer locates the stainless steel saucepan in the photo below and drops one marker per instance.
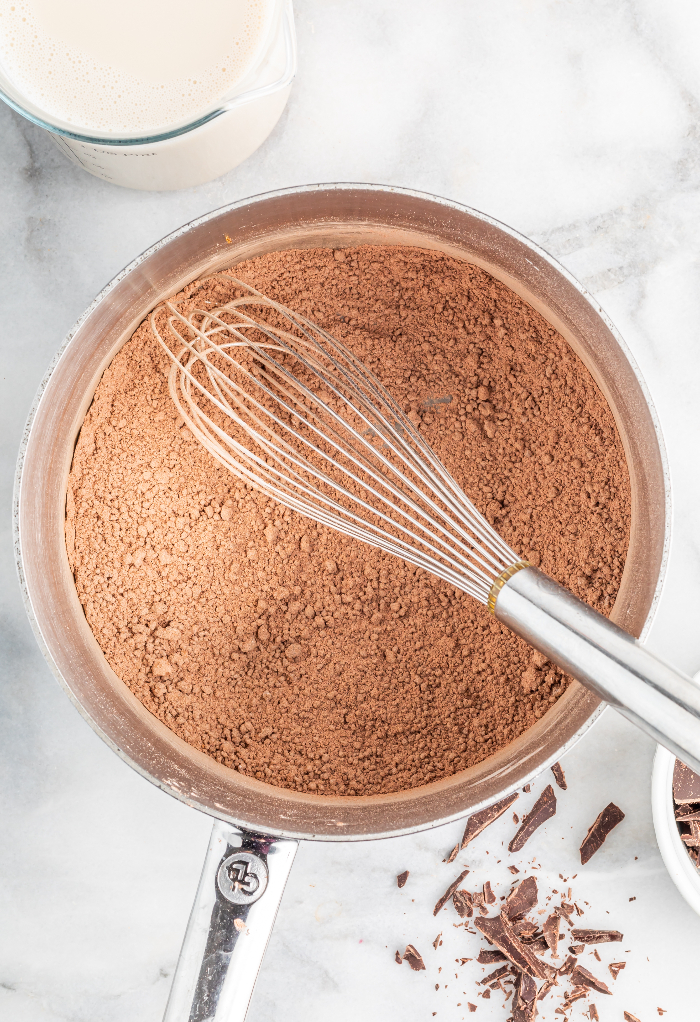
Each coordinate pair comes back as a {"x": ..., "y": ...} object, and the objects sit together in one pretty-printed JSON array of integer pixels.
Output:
[{"x": 258, "y": 826}]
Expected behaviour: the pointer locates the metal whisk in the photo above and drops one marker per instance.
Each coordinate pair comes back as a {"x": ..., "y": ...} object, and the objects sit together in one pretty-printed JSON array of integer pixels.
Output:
[{"x": 292, "y": 411}]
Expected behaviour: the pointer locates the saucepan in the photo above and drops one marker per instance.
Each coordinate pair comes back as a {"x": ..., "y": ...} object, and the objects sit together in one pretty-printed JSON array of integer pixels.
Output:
[{"x": 258, "y": 826}]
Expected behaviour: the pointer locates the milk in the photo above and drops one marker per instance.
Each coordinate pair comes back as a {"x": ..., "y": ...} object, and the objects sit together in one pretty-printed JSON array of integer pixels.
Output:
[{"x": 115, "y": 78}]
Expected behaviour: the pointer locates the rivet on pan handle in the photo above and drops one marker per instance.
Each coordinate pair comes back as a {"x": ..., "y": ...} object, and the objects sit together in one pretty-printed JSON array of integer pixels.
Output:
[{"x": 234, "y": 910}]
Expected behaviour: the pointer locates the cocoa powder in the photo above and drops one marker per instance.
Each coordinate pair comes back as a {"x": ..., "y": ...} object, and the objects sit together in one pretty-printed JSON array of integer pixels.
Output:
[{"x": 305, "y": 659}]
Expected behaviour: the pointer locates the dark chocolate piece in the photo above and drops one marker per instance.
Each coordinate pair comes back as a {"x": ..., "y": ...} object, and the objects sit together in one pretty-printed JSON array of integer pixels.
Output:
[
  {"x": 686, "y": 814},
  {"x": 489, "y": 896},
  {"x": 686, "y": 784},
  {"x": 449, "y": 892},
  {"x": 582, "y": 977},
  {"x": 490, "y": 957},
  {"x": 593, "y": 1013},
  {"x": 595, "y": 936},
  {"x": 486, "y": 994},
  {"x": 629, "y": 1017},
  {"x": 522, "y": 898},
  {"x": 402, "y": 878},
  {"x": 413, "y": 958},
  {"x": 526, "y": 789},
  {"x": 576, "y": 949},
  {"x": 453, "y": 854},
  {"x": 499, "y": 932},
  {"x": 462, "y": 901},
  {"x": 547, "y": 986},
  {"x": 472, "y": 1007},
  {"x": 568, "y": 966},
  {"x": 544, "y": 809},
  {"x": 550, "y": 931},
  {"x": 524, "y": 928},
  {"x": 437, "y": 941},
  {"x": 398, "y": 958},
  {"x": 524, "y": 1008},
  {"x": 513, "y": 869},
  {"x": 539, "y": 946},
  {"x": 481, "y": 820},
  {"x": 601, "y": 827},
  {"x": 616, "y": 968},
  {"x": 559, "y": 776},
  {"x": 493, "y": 976}
]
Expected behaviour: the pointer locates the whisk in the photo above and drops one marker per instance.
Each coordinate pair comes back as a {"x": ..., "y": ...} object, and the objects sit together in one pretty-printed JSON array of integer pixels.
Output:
[{"x": 293, "y": 412}]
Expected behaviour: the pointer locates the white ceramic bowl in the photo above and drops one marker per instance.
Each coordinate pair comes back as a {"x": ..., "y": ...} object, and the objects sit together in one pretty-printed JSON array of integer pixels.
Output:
[{"x": 680, "y": 866}]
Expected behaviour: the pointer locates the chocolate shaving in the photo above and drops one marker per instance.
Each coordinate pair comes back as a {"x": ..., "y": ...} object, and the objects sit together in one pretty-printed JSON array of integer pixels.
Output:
[
  {"x": 547, "y": 986},
  {"x": 481, "y": 820},
  {"x": 528, "y": 988},
  {"x": 686, "y": 784},
  {"x": 616, "y": 968},
  {"x": 513, "y": 869},
  {"x": 413, "y": 958},
  {"x": 398, "y": 958},
  {"x": 568, "y": 966},
  {"x": 402, "y": 878},
  {"x": 593, "y": 1013},
  {"x": 449, "y": 892},
  {"x": 576, "y": 949},
  {"x": 522, "y": 898},
  {"x": 629, "y": 1017},
  {"x": 686, "y": 814},
  {"x": 437, "y": 940},
  {"x": 499, "y": 932},
  {"x": 595, "y": 936},
  {"x": 538, "y": 946},
  {"x": 582, "y": 977},
  {"x": 559, "y": 776},
  {"x": 453, "y": 854},
  {"x": 550, "y": 931},
  {"x": 597, "y": 833},
  {"x": 462, "y": 901},
  {"x": 544, "y": 809},
  {"x": 490, "y": 957},
  {"x": 489, "y": 896},
  {"x": 472, "y": 1007}
]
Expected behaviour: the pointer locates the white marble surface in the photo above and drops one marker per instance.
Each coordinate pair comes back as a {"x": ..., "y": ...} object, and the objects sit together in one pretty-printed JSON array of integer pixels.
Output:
[{"x": 575, "y": 123}]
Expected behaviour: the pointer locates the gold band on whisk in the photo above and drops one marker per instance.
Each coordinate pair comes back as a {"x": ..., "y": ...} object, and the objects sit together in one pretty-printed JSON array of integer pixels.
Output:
[{"x": 513, "y": 569}]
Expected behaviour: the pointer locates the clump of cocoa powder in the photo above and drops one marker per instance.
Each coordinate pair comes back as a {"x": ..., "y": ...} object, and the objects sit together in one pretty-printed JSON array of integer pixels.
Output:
[{"x": 306, "y": 659}]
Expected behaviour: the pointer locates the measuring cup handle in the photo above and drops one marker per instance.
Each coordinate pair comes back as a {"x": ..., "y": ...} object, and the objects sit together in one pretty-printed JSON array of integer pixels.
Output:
[{"x": 234, "y": 910}]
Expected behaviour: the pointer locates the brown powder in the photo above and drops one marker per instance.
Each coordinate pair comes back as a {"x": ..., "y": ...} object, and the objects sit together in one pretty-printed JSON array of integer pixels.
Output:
[{"x": 293, "y": 654}]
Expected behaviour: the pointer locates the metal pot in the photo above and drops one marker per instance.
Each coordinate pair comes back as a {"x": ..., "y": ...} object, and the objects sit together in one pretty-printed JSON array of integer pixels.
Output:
[{"x": 254, "y": 843}]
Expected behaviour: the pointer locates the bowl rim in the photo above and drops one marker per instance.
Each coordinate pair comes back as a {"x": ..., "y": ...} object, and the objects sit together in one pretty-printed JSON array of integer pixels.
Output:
[
  {"x": 679, "y": 865},
  {"x": 288, "y": 829}
]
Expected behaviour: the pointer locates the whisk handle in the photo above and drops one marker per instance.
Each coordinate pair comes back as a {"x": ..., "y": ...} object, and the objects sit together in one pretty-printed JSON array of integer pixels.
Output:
[{"x": 656, "y": 697}]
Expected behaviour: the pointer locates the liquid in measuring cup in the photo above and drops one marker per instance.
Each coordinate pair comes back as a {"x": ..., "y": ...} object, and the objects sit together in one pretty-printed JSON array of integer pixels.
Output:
[{"x": 135, "y": 70}]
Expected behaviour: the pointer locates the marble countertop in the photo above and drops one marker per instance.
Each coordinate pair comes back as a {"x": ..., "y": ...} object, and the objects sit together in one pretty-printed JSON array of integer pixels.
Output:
[{"x": 575, "y": 123}]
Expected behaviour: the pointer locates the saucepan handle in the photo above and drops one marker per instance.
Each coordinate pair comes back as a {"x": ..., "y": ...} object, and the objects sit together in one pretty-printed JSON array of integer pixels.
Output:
[{"x": 232, "y": 917}]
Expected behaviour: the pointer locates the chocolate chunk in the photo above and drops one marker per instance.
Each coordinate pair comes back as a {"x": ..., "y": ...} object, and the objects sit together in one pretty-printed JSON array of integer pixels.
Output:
[
  {"x": 539, "y": 946},
  {"x": 472, "y": 1007},
  {"x": 513, "y": 869},
  {"x": 413, "y": 958},
  {"x": 582, "y": 977},
  {"x": 629, "y": 1017},
  {"x": 550, "y": 931},
  {"x": 402, "y": 878},
  {"x": 616, "y": 968},
  {"x": 397, "y": 958},
  {"x": 486, "y": 994},
  {"x": 453, "y": 854},
  {"x": 449, "y": 892},
  {"x": 481, "y": 820},
  {"x": 487, "y": 980},
  {"x": 544, "y": 809},
  {"x": 576, "y": 949},
  {"x": 568, "y": 966},
  {"x": 686, "y": 814},
  {"x": 437, "y": 941},
  {"x": 595, "y": 936},
  {"x": 593, "y": 1013},
  {"x": 559, "y": 776},
  {"x": 526, "y": 789},
  {"x": 491, "y": 957},
  {"x": 499, "y": 932},
  {"x": 489, "y": 896},
  {"x": 462, "y": 901},
  {"x": 597, "y": 833},
  {"x": 521, "y": 899},
  {"x": 524, "y": 1007}
]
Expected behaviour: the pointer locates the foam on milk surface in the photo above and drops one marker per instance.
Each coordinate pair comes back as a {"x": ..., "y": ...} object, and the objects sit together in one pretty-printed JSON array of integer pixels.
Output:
[{"x": 129, "y": 65}]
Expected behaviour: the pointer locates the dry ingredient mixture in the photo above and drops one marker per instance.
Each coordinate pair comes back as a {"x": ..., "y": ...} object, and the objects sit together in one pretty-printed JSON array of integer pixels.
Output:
[{"x": 306, "y": 659}]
